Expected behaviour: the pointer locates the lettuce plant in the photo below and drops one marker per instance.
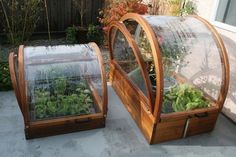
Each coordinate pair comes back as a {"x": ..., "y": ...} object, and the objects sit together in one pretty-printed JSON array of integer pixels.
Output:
[{"x": 183, "y": 97}]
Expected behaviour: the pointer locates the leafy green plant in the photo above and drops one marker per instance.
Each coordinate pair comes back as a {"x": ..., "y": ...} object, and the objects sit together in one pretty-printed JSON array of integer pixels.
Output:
[
  {"x": 5, "y": 79},
  {"x": 60, "y": 86},
  {"x": 71, "y": 34},
  {"x": 95, "y": 34},
  {"x": 183, "y": 97},
  {"x": 66, "y": 99}
]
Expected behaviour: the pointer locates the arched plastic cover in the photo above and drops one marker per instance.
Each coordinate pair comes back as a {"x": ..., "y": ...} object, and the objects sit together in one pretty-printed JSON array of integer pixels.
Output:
[
  {"x": 191, "y": 53},
  {"x": 63, "y": 81},
  {"x": 189, "y": 49}
]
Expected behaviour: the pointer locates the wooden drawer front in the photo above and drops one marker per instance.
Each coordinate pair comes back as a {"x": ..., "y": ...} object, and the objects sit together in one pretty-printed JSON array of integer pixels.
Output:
[
  {"x": 166, "y": 131},
  {"x": 36, "y": 131},
  {"x": 199, "y": 125}
]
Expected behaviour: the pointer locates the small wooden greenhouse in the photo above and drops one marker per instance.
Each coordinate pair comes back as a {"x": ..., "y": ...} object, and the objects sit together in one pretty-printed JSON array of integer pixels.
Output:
[
  {"x": 172, "y": 74},
  {"x": 59, "y": 89}
]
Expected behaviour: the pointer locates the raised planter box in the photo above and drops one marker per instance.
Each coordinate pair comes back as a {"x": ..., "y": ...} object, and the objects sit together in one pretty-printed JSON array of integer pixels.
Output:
[
  {"x": 59, "y": 89},
  {"x": 171, "y": 73}
]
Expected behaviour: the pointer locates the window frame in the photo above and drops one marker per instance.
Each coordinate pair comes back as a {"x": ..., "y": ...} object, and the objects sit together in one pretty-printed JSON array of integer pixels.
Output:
[{"x": 221, "y": 24}]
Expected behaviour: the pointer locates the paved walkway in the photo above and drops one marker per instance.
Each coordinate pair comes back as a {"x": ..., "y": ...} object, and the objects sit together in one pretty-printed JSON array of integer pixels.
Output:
[{"x": 120, "y": 138}]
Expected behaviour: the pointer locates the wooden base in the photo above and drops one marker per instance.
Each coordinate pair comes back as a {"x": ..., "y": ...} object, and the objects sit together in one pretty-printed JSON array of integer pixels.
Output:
[
  {"x": 62, "y": 126},
  {"x": 172, "y": 125}
]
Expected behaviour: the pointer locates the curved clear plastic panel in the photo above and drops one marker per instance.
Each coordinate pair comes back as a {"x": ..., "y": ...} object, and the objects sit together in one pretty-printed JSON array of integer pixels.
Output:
[
  {"x": 62, "y": 81},
  {"x": 125, "y": 57},
  {"x": 141, "y": 39},
  {"x": 189, "y": 51}
]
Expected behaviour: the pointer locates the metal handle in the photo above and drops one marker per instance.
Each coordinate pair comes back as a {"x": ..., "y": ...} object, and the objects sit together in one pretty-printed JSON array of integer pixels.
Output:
[{"x": 201, "y": 115}]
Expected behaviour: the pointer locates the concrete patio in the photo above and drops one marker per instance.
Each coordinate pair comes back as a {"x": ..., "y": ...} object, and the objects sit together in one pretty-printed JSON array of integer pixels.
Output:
[{"x": 121, "y": 137}]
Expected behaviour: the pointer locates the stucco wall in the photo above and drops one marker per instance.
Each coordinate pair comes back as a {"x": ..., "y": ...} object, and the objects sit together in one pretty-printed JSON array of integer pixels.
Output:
[{"x": 206, "y": 9}]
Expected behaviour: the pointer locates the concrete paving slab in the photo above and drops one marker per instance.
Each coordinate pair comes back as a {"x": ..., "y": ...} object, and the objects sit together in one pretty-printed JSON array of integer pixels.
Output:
[{"x": 120, "y": 138}]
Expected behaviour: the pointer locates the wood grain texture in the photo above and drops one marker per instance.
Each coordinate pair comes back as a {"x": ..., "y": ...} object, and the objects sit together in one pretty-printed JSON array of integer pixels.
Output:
[
  {"x": 58, "y": 125},
  {"x": 156, "y": 126},
  {"x": 116, "y": 26},
  {"x": 103, "y": 77},
  {"x": 156, "y": 53},
  {"x": 133, "y": 101},
  {"x": 64, "y": 125},
  {"x": 22, "y": 86},
  {"x": 14, "y": 81}
]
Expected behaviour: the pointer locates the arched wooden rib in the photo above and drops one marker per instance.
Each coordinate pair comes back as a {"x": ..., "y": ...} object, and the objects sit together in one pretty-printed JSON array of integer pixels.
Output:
[
  {"x": 14, "y": 81},
  {"x": 224, "y": 61},
  {"x": 156, "y": 56},
  {"x": 22, "y": 86},
  {"x": 121, "y": 27},
  {"x": 103, "y": 75}
]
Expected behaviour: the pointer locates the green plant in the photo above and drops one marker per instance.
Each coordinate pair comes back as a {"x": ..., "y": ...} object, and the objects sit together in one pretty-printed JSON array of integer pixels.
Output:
[
  {"x": 60, "y": 86},
  {"x": 20, "y": 18},
  {"x": 187, "y": 9},
  {"x": 5, "y": 79},
  {"x": 183, "y": 97},
  {"x": 95, "y": 34},
  {"x": 71, "y": 34},
  {"x": 67, "y": 99}
]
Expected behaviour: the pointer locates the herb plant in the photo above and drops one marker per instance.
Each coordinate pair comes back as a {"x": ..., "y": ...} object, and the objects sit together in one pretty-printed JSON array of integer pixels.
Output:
[{"x": 183, "y": 97}]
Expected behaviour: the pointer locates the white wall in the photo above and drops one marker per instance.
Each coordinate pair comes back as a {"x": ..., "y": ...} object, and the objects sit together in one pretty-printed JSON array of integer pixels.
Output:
[{"x": 206, "y": 9}]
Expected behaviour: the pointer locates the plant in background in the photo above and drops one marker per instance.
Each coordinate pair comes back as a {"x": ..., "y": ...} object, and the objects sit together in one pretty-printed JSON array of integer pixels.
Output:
[
  {"x": 116, "y": 9},
  {"x": 5, "y": 80},
  {"x": 80, "y": 4},
  {"x": 95, "y": 34},
  {"x": 183, "y": 97},
  {"x": 172, "y": 7},
  {"x": 188, "y": 8},
  {"x": 71, "y": 34},
  {"x": 20, "y": 18}
]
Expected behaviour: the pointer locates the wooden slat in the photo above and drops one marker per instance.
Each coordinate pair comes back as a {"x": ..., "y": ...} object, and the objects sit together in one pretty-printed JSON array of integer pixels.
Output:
[
  {"x": 168, "y": 131},
  {"x": 133, "y": 101}
]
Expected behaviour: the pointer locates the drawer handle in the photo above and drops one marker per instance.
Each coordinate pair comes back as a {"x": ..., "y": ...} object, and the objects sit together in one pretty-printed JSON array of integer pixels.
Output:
[{"x": 201, "y": 115}]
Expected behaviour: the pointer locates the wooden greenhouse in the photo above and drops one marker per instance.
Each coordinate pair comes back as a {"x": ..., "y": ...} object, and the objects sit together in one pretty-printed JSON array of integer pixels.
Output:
[
  {"x": 59, "y": 89},
  {"x": 172, "y": 74}
]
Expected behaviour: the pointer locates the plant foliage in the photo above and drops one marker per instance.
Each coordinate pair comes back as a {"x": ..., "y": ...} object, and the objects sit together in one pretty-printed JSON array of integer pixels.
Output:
[
  {"x": 116, "y": 9},
  {"x": 5, "y": 79},
  {"x": 183, "y": 97},
  {"x": 61, "y": 99},
  {"x": 71, "y": 34},
  {"x": 20, "y": 18},
  {"x": 95, "y": 34}
]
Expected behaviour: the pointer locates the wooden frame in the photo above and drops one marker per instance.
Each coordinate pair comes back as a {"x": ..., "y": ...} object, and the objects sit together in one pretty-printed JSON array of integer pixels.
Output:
[
  {"x": 59, "y": 125},
  {"x": 156, "y": 126}
]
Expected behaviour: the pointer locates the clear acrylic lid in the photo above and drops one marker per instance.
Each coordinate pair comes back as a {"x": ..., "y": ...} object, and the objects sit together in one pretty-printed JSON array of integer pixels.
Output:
[{"x": 63, "y": 80}]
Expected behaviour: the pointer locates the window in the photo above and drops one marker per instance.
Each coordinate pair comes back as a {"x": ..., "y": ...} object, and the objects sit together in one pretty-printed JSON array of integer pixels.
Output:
[{"x": 225, "y": 14}]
